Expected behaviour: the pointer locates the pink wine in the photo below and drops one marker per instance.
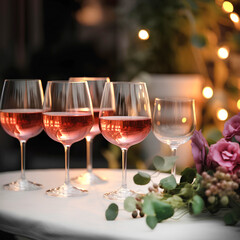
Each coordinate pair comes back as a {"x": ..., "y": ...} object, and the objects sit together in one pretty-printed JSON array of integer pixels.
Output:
[
  {"x": 125, "y": 131},
  {"x": 67, "y": 127},
  {"x": 22, "y": 123},
  {"x": 95, "y": 129}
]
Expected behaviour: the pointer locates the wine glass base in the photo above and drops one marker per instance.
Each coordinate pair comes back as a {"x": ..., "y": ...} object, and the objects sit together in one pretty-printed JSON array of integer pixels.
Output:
[
  {"x": 22, "y": 185},
  {"x": 66, "y": 190},
  {"x": 89, "y": 179},
  {"x": 120, "y": 194}
]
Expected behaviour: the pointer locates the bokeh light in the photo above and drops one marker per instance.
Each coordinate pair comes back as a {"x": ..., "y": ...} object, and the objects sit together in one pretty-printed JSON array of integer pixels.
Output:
[
  {"x": 207, "y": 92},
  {"x": 234, "y": 17},
  {"x": 227, "y": 6},
  {"x": 238, "y": 104},
  {"x": 143, "y": 34},
  {"x": 223, "y": 52},
  {"x": 222, "y": 114}
]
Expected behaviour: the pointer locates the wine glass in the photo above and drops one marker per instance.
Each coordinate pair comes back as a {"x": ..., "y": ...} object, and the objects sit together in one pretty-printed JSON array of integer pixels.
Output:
[
  {"x": 174, "y": 122},
  {"x": 125, "y": 120},
  {"x": 67, "y": 118},
  {"x": 21, "y": 118},
  {"x": 96, "y": 85}
]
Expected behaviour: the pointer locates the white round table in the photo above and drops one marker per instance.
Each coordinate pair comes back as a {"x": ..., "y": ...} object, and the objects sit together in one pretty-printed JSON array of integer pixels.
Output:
[{"x": 35, "y": 215}]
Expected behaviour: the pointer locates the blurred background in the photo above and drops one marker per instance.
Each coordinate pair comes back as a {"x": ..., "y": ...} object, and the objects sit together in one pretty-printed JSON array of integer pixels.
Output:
[{"x": 185, "y": 48}]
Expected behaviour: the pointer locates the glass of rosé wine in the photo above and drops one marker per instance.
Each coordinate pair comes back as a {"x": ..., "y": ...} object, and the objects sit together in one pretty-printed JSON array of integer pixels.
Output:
[
  {"x": 67, "y": 118},
  {"x": 174, "y": 122},
  {"x": 127, "y": 124},
  {"x": 21, "y": 117},
  {"x": 96, "y": 85}
]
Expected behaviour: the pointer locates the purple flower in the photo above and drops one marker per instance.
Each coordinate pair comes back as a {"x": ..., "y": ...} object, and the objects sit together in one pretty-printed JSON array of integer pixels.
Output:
[
  {"x": 199, "y": 145},
  {"x": 232, "y": 128},
  {"x": 225, "y": 154}
]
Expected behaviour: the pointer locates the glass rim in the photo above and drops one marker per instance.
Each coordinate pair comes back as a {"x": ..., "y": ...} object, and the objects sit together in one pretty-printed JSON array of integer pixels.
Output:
[
  {"x": 22, "y": 79},
  {"x": 131, "y": 83},
  {"x": 174, "y": 99},
  {"x": 64, "y": 81},
  {"x": 90, "y": 78}
]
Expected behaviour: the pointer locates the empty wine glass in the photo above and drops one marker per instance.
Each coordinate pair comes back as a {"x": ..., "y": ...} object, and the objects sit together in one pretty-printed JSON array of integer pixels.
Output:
[
  {"x": 67, "y": 118},
  {"x": 21, "y": 118},
  {"x": 174, "y": 122},
  {"x": 125, "y": 120},
  {"x": 96, "y": 85}
]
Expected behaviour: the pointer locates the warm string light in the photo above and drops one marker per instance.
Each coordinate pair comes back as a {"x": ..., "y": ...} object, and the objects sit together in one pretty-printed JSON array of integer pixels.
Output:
[
  {"x": 222, "y": 114},
  {"x": 143, "y": 34},
  {"x": 207, "y": 92},
  {"x": 234, "y": 17},
  {"x": 238, "y": 104},
  {"x": 223, "y": 52},
  {"x": 227, "y": 6}
]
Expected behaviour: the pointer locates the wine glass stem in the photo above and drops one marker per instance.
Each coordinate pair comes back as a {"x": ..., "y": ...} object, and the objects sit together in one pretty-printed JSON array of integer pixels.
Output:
[
  {"x": 124, "y": 168},
  {"x": 23, "y": 158},
  {"x": 174, "y": 153},
  {"x": 67, "y": 160},
  {"x": 89, "y": 154}
]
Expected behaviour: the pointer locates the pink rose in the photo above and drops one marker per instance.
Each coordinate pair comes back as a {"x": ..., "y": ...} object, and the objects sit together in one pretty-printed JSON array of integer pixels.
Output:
[
  {"x": 225, "y": 154},
  {"x": 232, "y": 128},
  {"x": 199, "y": 145}
]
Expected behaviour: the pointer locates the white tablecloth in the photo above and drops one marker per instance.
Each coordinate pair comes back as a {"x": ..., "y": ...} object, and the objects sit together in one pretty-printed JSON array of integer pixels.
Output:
[{"x": 38, "y": 216}]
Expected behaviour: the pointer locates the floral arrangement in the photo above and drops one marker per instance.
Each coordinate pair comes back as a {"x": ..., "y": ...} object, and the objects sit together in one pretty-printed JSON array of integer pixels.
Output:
[{"x": 213, "y": 186}]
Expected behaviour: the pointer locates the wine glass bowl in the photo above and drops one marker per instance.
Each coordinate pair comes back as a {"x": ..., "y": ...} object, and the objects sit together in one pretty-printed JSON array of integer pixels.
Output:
[
  {"x": 124, "y": 120},
  {"x": 96, "y": 85},
  {"x": 67, "y": 118},
  {"x": 21, "y": 118},
  {"x": 174, "y": 121}
]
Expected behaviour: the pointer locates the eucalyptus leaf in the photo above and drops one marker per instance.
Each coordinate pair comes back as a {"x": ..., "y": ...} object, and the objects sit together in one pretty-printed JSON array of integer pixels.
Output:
[
  {"x": 151, "y": 221},
  {"x": 164, "y": 164},
  {"x": 188, "y": 175},
  {"x": 162, "y": 210},
  {"x": 168, "y": 183},
  {"x": 197, "y": 204},
  {"x": 186, "y": 191},
  {"x": 147, "y": 207},
  {"x": 130, "y": 204},
  {"x": 230, "y": 218},
  {"x": 111, "y": 212},
  {"x": 175, "y": 201},
  {"x": 141, "y": 178}
]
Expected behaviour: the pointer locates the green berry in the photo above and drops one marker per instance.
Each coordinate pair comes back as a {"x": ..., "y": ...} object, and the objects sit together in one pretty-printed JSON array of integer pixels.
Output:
[
  {"x": 211, "y": 199},
  {"x": 224, "y": 201}
]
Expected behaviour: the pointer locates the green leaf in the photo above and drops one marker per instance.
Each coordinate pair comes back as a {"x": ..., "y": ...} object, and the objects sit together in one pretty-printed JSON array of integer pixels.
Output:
[
  {"x": 147, "y": 207},
  {"x": 188, "y": 174},
  {"x": 186, "y": 191},
  {"x": 233, "y": 139},
  {"x": 164, "y": 164},
  {"x": 141, "y": 178},
  {"x": 197, "y": 204},
  {"x": 168, "y": 183},
  {"x": 198, "y": 40},
  {"x": 111, "y": 212},
  {"x": 230, "y": 218},
  {"x": 175, "y": 201},
  {"x": 130, "y": 204},
  {"x": 162, "y": 210},
  {"x": 151, "y": 221},
  {"x": 197, "y": 183}
]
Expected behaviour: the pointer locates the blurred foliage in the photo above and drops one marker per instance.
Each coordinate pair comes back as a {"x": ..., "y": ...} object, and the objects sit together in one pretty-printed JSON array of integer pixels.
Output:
[{"x": 174, "y": 28}]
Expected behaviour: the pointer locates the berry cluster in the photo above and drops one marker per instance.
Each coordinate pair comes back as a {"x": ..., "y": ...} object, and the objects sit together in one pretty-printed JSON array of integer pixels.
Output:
[
  {"x": 221, "y": 185},
  {"x": 138, "y": 210}
]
